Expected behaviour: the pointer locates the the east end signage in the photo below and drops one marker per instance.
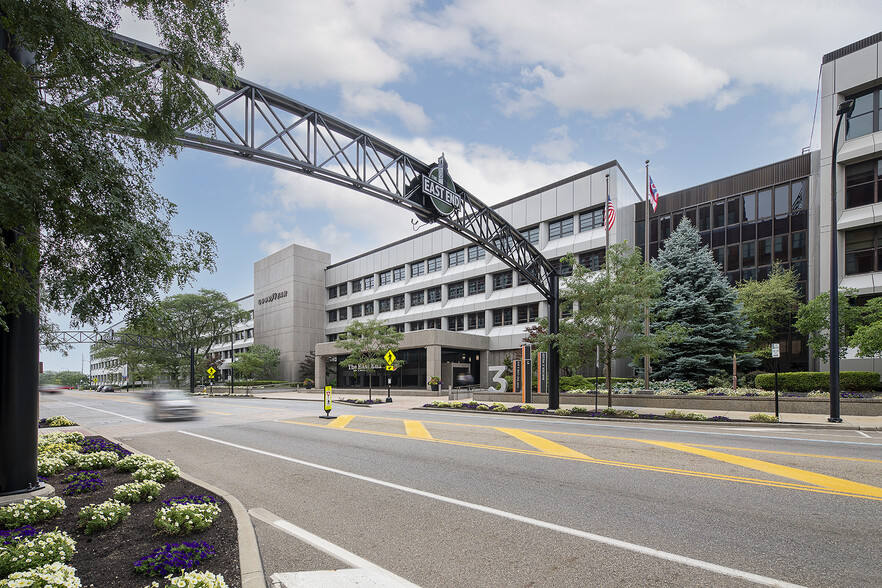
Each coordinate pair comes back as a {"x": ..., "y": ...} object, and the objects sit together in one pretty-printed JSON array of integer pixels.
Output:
[
  {"x": 272, "y": 297},
  {"x": 440, "y": 189}
]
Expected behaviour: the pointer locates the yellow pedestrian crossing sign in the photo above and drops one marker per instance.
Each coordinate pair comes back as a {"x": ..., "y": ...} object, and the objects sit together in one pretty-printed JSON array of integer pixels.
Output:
[
  {"x": 389, "y": 357},
  {"x": 211, "y": 371}
]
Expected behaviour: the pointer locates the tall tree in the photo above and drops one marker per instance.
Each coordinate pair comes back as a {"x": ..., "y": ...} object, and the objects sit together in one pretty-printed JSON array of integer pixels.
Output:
[
  {"x": 768, "y": 306},
  {"x": 260, "y": 363},
  {"x": 367, "y": 343},
  {"x": 813, "y": 321},
  {"x": 696, "y": 296}
]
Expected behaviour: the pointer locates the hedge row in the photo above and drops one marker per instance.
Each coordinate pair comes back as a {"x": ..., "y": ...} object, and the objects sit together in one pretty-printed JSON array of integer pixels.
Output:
[
  {"x": 568, "y": 383},
  {"x": 808, "y": 381}
]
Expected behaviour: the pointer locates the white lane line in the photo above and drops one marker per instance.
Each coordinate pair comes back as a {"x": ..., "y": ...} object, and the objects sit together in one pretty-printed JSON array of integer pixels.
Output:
[
  {"x": 107, "y": 411},
  {"x": 864, "y": 434},
  {"x": 673, "y": 557},
  {"x": 347, "y": 557}
]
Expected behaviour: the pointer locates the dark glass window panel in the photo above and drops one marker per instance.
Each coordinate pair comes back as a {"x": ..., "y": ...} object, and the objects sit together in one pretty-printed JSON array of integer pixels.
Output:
[
  {"x": 398, "y": 274},
  {"x": 356, "y": 286},
  {"x": 455, "y": 258},
  {"x": 368, "y": 308},
  {"x": 704, "y": 215},
  {"x": 718, "y": 238},
  {"x": 733, "y": 234},
  {"x": 369, "y": 282},
  {"x": 385, "y": 305},
  {"x": 456, "y": 290},
  {"x": 691, "y": 215},
  {"x": 705, "y": 238},
  {"x": 455, "y": 323},
  {"x": 764, "y": 203},
  {"x": 720, "y": 256},
  {"x": 749, "y": 202},
  {"x": 356, "y": 311},
  {"x": 719, "y": 214},
  {"x": 560, "y": 228},
  {"x": 733, "y": 211},
  {"x": 733, "y": 277},
  {"x": 502, "y": 280},
  {"x": 733, "y": 255},
  {"x": 748, "y": 274},
  {"x": 762, "y": 273},
  {"x": 764, "y": 251},
  {"x": 416, "y": 326},
  {"x": 764, "y": 229},
  {"x": 591, "y": 219},
  {"x": 653, "y": 229},
  {"x": 665, "y": 222},
  {"x": 782, "y": 200},
  {"x": 860, "y": 195},
  {"x": 861, "y": 120},
  {"x": 433, "y": 264},
  {"x": 563, "y": 269},
  {"x": 332, "y": 316},
  {"x": 476, "y": 252},
  {"x": 417, "y": 298},
  {"x": 639, "y": 232},
  {"x": 748, "y": 231},
  {"x": 385, "y": 278},
  {"x": 433, "y": 294},
  {"x": 798, "y": 249},
  {"x": 798, "y": 221},
  {"x": 653, "y": 250},
  {"x": 342, "y": 314},
  {"x": 497, "y": 317},
  {"x": 748, "y": 254},
  {"x": 341, "y": 289},
  {"x": 531, "y": 235},
  {"x": 782, "y": 225},
  {"x": 332, "y": 292},
  {"x": 477, "y": 285},
  {"x": 678, "y": 218},
  {"x": 506, "y": 316},
  {"x": 592, "y": 260},
  {"x": 433, "y": 323},
  {"x": 782, "y": 252},
  {"x": 799, "y": 195},
  {"x": 801, "y": 269}
]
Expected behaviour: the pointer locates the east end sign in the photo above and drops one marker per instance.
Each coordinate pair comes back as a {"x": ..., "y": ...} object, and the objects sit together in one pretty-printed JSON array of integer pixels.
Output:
[{"x": 436, "y": 190}]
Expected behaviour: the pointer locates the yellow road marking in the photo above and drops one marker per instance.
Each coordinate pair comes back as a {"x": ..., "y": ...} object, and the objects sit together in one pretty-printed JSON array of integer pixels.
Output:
[
  {"x": 769, "y": 451},
  {"x": 586, "y": 459},
  {"x": 340, "y": 422},
  {"x": 417, "y": 429},
  {"x": 542, "y": 444},
  {"x": 836, "y": 484}
]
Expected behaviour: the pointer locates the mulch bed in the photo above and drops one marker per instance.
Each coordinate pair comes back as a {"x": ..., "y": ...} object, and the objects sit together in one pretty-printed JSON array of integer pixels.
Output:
[{"x": 106, "y": 558}]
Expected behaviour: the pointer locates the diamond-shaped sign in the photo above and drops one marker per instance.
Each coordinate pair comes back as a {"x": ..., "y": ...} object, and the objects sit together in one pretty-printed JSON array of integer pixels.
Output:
[
  {"x": 389, "y": 357},
  {"x": 211, "y": 371}
]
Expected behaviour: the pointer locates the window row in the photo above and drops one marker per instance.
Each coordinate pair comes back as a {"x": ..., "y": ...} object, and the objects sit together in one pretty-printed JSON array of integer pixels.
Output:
[
  {"x": 751, "y": 254},
  {"x": 864, "y": 118},
  {"x": 863, "y": 251}
]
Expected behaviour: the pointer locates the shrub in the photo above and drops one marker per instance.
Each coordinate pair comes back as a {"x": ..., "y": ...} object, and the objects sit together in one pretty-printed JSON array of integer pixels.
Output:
[
  {"x": 48, "y": 465},
  {"x": 194, "y": 580},
  {"x": 763, "y": 418},
  {"x": 808, "y": 381},
  {"x": 674, "y": 414},
  {"x": 181, "y": 519},
  {"x": 578, "y": 410},
  {"x": 83, "y": 486},
  {"x": 96, "y": 444},
  {"x": 694, "y": 416},
  {"x": 96, "y": 461},
  {"x": 57, "y": 448},
  {"x": 134, "y": 462},
  {"x": 98, "y": 517},
  {"x": 161, "y": 471},
  {"x": 563, "y": 411},
  {"x": 78, "y": 476},
  {"x": 60, "y": 437},
  {"x": 144, "y": 491},
  {"x": 174, "y": 557},
  {"x": 24, "y": 553},
  {"x": 53, "y": 575},
  {"x": 30, "y": 511}
]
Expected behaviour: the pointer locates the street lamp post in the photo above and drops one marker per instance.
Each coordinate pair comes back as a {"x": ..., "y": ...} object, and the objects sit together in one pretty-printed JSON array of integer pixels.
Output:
[{"x": 845, "y": 108}]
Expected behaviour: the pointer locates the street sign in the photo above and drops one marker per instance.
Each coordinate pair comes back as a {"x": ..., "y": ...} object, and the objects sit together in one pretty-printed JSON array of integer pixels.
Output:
[
  {"x": 211, "y": 371},
  {"x": 328, "y": 398},
  {"x": 389, "y": 357},
  {"x": 390, "y": 368},
  {"x": 776, "y": 350}
]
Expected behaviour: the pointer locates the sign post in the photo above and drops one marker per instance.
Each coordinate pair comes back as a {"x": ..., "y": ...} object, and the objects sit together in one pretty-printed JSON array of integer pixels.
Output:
[
  {"x": 390, "y": 367},
  {"x": 328, "y": 401},
  {"x": 527, "y": 372},
  {"x": 542, "y": 382},
  {"x": 776, "y": 353}
]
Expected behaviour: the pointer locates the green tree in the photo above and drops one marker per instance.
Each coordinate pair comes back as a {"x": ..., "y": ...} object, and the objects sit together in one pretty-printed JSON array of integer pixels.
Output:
[
  {"x": 306, "y": 368},
  {"x": 84, "y": 127},
  {"x": 63, "y": 378},
  {"x": 367, "y": 343},
  {"x": 260, "y": 363},
  {"x": 695, "y": 296},
  {"x": 768, "y": 305},
  {"x": 607, "y": 312},
  {"x": 143, "y": 362},
  {"x": 813, "y": 321}
]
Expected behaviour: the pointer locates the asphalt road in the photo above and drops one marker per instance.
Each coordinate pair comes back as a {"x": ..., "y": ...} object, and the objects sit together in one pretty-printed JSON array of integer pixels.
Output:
[{"x": 447, "y": 499}]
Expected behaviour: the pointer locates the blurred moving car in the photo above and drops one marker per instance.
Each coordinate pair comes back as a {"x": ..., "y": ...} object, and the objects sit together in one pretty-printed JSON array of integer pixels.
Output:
[
  {"x": 106, "y": 388},
  {"x": 52, "y": 388},
  {"x": 171, "y": 405}
]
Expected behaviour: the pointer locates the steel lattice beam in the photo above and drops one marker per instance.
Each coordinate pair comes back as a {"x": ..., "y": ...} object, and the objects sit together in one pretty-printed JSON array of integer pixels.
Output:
[
  {"x": 111, "y": 338},
  {"x": 264, "y": 126}
]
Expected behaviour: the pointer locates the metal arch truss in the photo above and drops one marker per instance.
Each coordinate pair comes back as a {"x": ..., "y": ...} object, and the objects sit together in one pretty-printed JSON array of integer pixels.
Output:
[
  {"x": 111, "y": 338},
  {"x": 258, "y": 124}
]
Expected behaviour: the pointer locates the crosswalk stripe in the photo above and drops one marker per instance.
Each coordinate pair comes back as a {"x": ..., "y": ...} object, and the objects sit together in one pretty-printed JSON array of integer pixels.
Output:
[{"x": 542, "y": 444}]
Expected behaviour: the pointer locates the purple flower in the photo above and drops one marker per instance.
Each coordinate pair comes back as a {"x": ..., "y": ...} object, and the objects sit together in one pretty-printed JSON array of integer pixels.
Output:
[
  {"x": 173, "y": 558},
  {"x": 192, "y": 499},
  {"x": 83, "y": 486}
]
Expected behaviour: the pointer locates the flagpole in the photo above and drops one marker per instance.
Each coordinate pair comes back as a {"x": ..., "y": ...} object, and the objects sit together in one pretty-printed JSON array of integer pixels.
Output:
[
  {"x": 606, "y": 226},
  {"x": 646, "y": 306}
]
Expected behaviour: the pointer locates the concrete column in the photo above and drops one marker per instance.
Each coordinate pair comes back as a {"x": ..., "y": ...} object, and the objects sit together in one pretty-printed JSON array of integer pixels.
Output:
[
  {"x": 484, "y": 377},
  {"x": 320, "y": 363},
  {"x": 433, "y": 363}
]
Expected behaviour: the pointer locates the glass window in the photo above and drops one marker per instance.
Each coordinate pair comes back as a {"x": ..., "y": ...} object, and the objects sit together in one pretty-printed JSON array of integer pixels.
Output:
[
  {"x": 748, "y": 254},
  {"x": 704, "y": 218},
  {"x": 531, "y": 235},
  {"x": 369, "y": 282},
  {"x": 528, "y": 313},
  {"x": 342, "y": 313},
  {"x": 733, "y": 211},
  {"x": 433, "y": 295},
  {"x": 502, "y": 280},
  {"x": 332, "y": 292},
  {"x": 732, "y": 257},
  {"x": 433, "y": 264},
  {"x": 398, "y": 274},
  {"x": 385, "y": 278},
  {"x": 782, "y": 200},
  {"x": 476, "y": 320},
  {"x": 782, "y": 252},
  {"x": 592, "y": 260},
  {"x": 798, "y": 195},
  {"x": 560, "y": 228},
  {"x": 477, "y": 285},
  {"x": 476, "y": 252},
  {"x": 720, "y": 256},
  {"x": 861, "y": 121},
  {"x": 501, "y": 317},
  {"x": 860, "y": 183},
  {"x": 341, "y": 289},
  {"x": 417, "y": 268},
  {"x": 665, "y": 223},
  {"x": 368, "y": 308},
  {"x": 356, "y": 311},
  {"x": 749, "y": 203},
  {"x": 591, "y": 219},
  {"x": 455, "y": 290},
  {"x": 719, "y": 214},
  {"x": 691, "y": 215},
  {"x": 764, "y": 203},
  {"x": 356, "y": 286},
  {"x": 433, "y": 323},
  {"x": 332, "y": 316},
  {"x": 860, "y": 251},
  {"x": 398, "y": 302},
  {"x": 385, "y": 305},
  {"x": 563, "y": 269},
  {"x": 798, "y": 249},
  {"x": 455, "y": 323},
  {"x": 764, "y": 247},
  {"x": 417, "y": 298},
  {"x": 455, "y": 258},
  {"x": 416, "y": 326},
  {"x": 398, "y": 327},
  {"x": 639, "y": 233}
]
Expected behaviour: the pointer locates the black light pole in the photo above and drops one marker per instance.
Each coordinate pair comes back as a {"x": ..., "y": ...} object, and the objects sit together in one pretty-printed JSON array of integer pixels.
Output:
[{"x": 845, "y": 108}]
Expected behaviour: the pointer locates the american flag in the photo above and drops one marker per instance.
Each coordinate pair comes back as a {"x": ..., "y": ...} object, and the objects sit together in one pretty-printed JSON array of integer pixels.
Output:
[
  {"x": 653, "y": 194},
  {"x": 610, "y": 213}
]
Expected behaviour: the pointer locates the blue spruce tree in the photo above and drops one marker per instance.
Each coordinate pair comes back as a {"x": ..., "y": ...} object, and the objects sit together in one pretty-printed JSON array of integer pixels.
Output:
[{"x": 695, "y": 295}]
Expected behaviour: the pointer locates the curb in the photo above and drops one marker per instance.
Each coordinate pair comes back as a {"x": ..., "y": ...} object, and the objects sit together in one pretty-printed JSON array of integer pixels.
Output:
[
  {"x": 250, "y": 564},
  {"x": 668, "y": 421}
]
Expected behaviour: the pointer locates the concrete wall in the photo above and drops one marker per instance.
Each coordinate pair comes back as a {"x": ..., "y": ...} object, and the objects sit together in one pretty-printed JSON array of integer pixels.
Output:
[{"x": 289, "y": 304}]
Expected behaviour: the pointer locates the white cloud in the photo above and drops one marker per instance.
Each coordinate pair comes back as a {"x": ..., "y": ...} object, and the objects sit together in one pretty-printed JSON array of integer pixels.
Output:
[
  {"x": 558, "y": 146},
  {"x": 367, "y": 101}
]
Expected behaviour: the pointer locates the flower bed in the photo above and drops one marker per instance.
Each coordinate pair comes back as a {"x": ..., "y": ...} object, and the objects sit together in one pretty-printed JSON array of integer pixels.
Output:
[{"x": 575, "y": 411}]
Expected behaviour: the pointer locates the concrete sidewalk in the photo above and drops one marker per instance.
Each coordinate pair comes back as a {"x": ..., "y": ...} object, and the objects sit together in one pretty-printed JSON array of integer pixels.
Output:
[{"x": 410, "y": 399}]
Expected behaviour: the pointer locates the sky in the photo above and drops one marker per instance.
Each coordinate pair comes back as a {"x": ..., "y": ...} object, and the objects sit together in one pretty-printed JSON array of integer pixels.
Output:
[{"x": 517, "y": 94}]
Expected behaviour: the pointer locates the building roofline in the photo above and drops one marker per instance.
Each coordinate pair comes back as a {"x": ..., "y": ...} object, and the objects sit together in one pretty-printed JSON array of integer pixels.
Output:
[
  {"x": 558, "y": 183},
  {"x": 856, "y": 46}
]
